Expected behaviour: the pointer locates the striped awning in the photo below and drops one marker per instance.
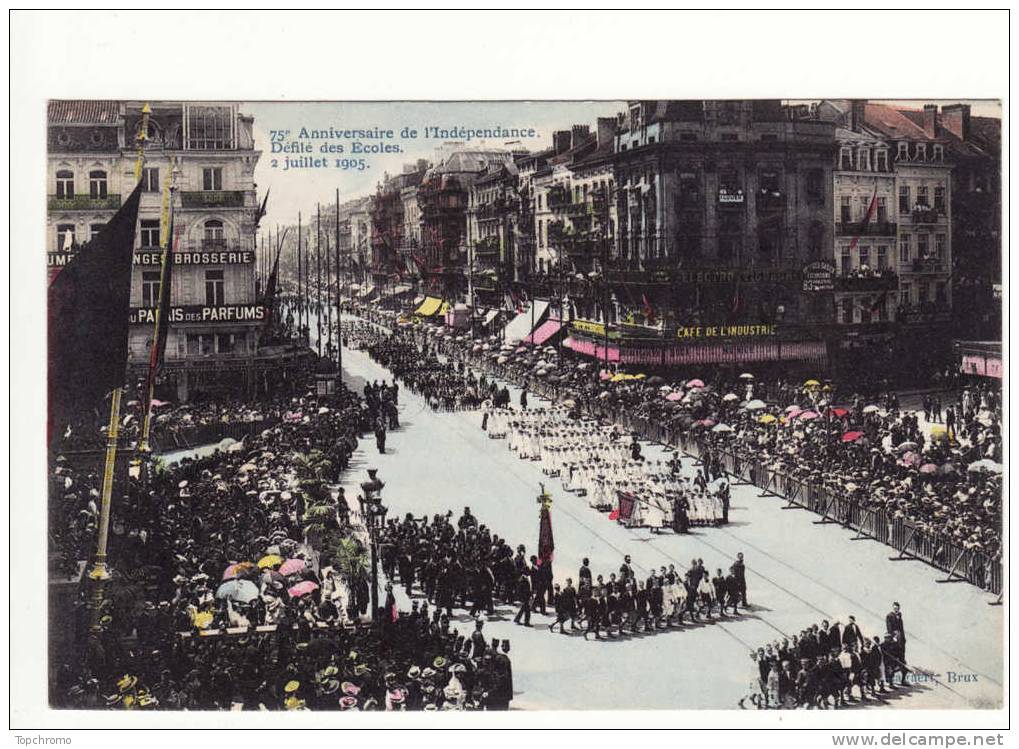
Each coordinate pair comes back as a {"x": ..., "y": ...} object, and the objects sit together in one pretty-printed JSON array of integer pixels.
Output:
[{"x": 429, "y": 307}]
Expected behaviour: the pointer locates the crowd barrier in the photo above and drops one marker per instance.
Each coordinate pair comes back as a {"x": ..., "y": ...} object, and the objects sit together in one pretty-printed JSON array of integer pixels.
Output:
[{"x": 908, "y": 539}]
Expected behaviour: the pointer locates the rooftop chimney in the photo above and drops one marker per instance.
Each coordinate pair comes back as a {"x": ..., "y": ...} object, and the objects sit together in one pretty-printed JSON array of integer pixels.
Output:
[
  {"x": 955, "y": 119},
  {"x": 561, "y": 141},
  {"x": 606, "y": 131},
  {"x": 930, "y": 118},
  {"x": 578, "y": 134},
  {"x": 857, "y": 114}
]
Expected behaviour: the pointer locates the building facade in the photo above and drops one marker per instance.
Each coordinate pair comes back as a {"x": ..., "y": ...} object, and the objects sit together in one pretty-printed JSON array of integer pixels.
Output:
[{"x": 206, "y": 151}]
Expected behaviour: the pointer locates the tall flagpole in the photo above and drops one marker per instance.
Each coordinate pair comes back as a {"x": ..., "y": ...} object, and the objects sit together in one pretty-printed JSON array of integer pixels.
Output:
[
  {"x": 166, "y": 242},
  {"x": 339, "y": 294},
  {"x": 318, "y": 278},
  {"x": 99, "y": 572},
  {"x": 300, "y": 298}
]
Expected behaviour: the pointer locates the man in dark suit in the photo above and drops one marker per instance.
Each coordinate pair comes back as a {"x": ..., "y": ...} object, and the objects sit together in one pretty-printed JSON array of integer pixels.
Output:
[
  {"x": 524, "y": 592},
  {"x": 851, "y": 635},
  {"x": 739, "y": 571},
  {"x": 895, "y": 627}
]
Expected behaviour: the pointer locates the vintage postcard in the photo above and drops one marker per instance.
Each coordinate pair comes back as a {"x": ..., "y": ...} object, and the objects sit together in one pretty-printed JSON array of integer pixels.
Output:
[{"x": 528, "y": 405}]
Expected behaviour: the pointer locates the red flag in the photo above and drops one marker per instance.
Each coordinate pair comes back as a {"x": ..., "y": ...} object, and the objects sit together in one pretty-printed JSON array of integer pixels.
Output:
[
  {"x": 866, "y": 219},
  {"x": 546, "y": 544},
  {"x": 627, "y": 503},
  {"x": 649, "y": 311}
]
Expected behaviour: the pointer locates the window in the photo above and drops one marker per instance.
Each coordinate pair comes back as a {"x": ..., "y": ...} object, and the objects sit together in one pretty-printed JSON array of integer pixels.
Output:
[
  {"x": 208, "y": 127},
  {"x": 149, "y": 231},
  {"x": 846, "y": 210},
  {"x": 212, "y": 178},
  {"x": 882, "y": 257},
  {"x": 881, "y": 160},
  {"x": 93, "y": 230},
  {"x": 939, "y": 199},
  {"x": 771, "y": 182},
  {"x": 212, "y": 233},
  {"x": 214, "y": 288},
  {"x": 906, "y": 293},
  {"x": 864, "y": 258},
  {"x": 922, "y": 245},
  {"x": 904, "y": 206},
  {"x": 864, "y": 206},
  {"x": 729, "y": 181},
  {"x": 903, "y": 154},
  {"x": 845, "y": 158},
  {"x": 65, "y": 237},
  {"x": 904, "y": 248},
  {"x": 941, "y": 296},
  {"x": 924, "y": 291},
  {"x": 689, "y": 189},
  {"x": 940, "y": 244},
  {"x": 846, "y": 310},
  {"x": 847, "y": 260},
  {"x": 225, "y": 343},
  {"x": 864, "y": 160},
  {"x": 922, "y": 196},
  {"x": 921, "y": 152},
  {"x": 65, "y": 183},
  {"x": 939, "y": 152},
  {"x": 97, "y": 187},
  {"x": 150, "y": 179},
  {"x": 194, "y": 344},
  {"x": 882, "y": 210},
  {"x": 650, "y": 139},
  {"x": 150, "y": 288},
  {"x": 815, "y": 185}
]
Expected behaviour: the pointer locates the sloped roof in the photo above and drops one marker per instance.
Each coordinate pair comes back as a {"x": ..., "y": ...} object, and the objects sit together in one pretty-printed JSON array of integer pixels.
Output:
[
  {"x": 83, "y": 112},
  {"x": 472, "y": 161},
  {"x": 893, "y": 122}
]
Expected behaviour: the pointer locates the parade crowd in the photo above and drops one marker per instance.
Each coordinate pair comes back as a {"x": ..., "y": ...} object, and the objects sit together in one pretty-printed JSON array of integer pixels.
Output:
[
  {"x": 241, "y": 582},
  {"x": 830, "y": 666}
]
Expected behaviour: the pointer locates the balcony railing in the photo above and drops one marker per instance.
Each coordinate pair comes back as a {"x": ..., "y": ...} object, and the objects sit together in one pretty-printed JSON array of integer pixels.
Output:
[
  {"x": 925, "y": 216},
  {"x": 860, "y": 229},
  {"x": 212, "y": 199},
  {"x": 84, "y": 203},
  {"x": 928, "y": 265},
  {"x": 885, "y": 281}
]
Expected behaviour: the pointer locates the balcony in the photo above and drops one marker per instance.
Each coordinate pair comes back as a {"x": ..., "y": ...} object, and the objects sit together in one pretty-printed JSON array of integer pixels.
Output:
[
  {"x": 770, "y": 200},
  {"x": 84, "y": 203},
  {"x": 212, "y": 199},
  {"x": 862, "y": 282},
  {"x": 487, "y": 247},
  {"x": 860, "y": 229},
  {"x": 927, "y": 265},
  {"x": 925, "y": 215}
]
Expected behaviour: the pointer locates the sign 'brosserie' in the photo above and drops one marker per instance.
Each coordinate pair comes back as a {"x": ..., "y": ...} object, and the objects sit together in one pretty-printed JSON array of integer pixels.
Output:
[{"x": 202, "y": 314}]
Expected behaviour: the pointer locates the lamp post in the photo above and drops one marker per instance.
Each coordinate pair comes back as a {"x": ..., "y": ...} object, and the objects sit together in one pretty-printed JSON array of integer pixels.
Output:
[{"x": 374, "y": 514}]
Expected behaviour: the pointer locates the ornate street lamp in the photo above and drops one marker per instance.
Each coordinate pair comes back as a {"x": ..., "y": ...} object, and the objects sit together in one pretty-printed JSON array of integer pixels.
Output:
[{"x": 374, "y": 514}]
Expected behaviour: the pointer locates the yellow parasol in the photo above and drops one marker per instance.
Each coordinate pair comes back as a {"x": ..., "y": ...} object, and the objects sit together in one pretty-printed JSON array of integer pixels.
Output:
[{"x": 270, "y": 560}]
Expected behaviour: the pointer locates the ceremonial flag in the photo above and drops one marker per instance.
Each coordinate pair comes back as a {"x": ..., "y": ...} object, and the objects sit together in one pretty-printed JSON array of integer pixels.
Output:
[
  {"x": 163, "y": 306},
  {"x": 871, "y": 209},
  {"x": 546, "y": 544},
  {"x": 89, "y": 306},
  {"x": 261, "y": 210},
  {"x": 649, "y": 311},
  {"x": 269, "y": 298},
  {"x": 627, "y": 503}
]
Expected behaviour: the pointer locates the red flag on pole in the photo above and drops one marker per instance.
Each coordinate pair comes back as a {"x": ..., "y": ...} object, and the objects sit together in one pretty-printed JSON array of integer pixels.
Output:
[
  {"x": 649, "y": 310},
  {"x": 871, "y": 209},
  {"x": 546, "y": 544}
]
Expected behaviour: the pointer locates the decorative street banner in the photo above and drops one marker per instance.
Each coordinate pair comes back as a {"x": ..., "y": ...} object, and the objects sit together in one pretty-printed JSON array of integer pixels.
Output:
[
  {"x": 819, "y": 276},
  {"x": 201, "y": 314}
]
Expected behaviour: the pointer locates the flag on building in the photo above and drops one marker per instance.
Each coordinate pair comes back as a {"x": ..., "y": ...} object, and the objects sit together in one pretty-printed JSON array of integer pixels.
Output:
[
  {"x": 89, "y": 306},
  {"x": 871, "y": 210},
  {"x": 158, "y": 350},
  {"x": 269, "y": 298},
  {"x": 649, "y": 310}
]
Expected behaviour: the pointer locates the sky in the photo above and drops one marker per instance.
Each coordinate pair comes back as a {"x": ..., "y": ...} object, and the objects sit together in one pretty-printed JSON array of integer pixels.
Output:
[
  {"x": 299, "y": 190},
  {"x": 294, "y": 191}
]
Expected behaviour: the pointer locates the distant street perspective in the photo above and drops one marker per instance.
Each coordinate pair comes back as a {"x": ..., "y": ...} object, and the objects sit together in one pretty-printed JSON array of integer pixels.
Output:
[{"x": 672, "y": 405}]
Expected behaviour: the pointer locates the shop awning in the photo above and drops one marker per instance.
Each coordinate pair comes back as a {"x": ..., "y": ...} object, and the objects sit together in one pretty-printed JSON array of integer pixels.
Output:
[
  {"x": 367, "y": 292},
  {"x": 490, "y": 316},
  {"x": 429, "y": 306},
  {"x": 523, "y": 324},
  {"x": 544, "y": 332}
]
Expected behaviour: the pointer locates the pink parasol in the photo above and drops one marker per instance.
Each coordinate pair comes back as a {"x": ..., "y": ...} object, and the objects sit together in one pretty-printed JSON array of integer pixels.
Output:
[
  {"x": 851, "y": 436},
  {"x": 928, "y": 468},
  {"x": 705, "y": 423},
  {"x": 156, "y": 403},
  {"x": 292, "y": 567},
  {"x": 695, "y": 384},
  {"x": 838, "y": 413},
  {"x": 302, "y": 588},
  {"x": 911, "y": 458},
  {"x": 236, "y": 569},
  {"x": 674, "y": 397},
  {"x": 807, "y": 415}
]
